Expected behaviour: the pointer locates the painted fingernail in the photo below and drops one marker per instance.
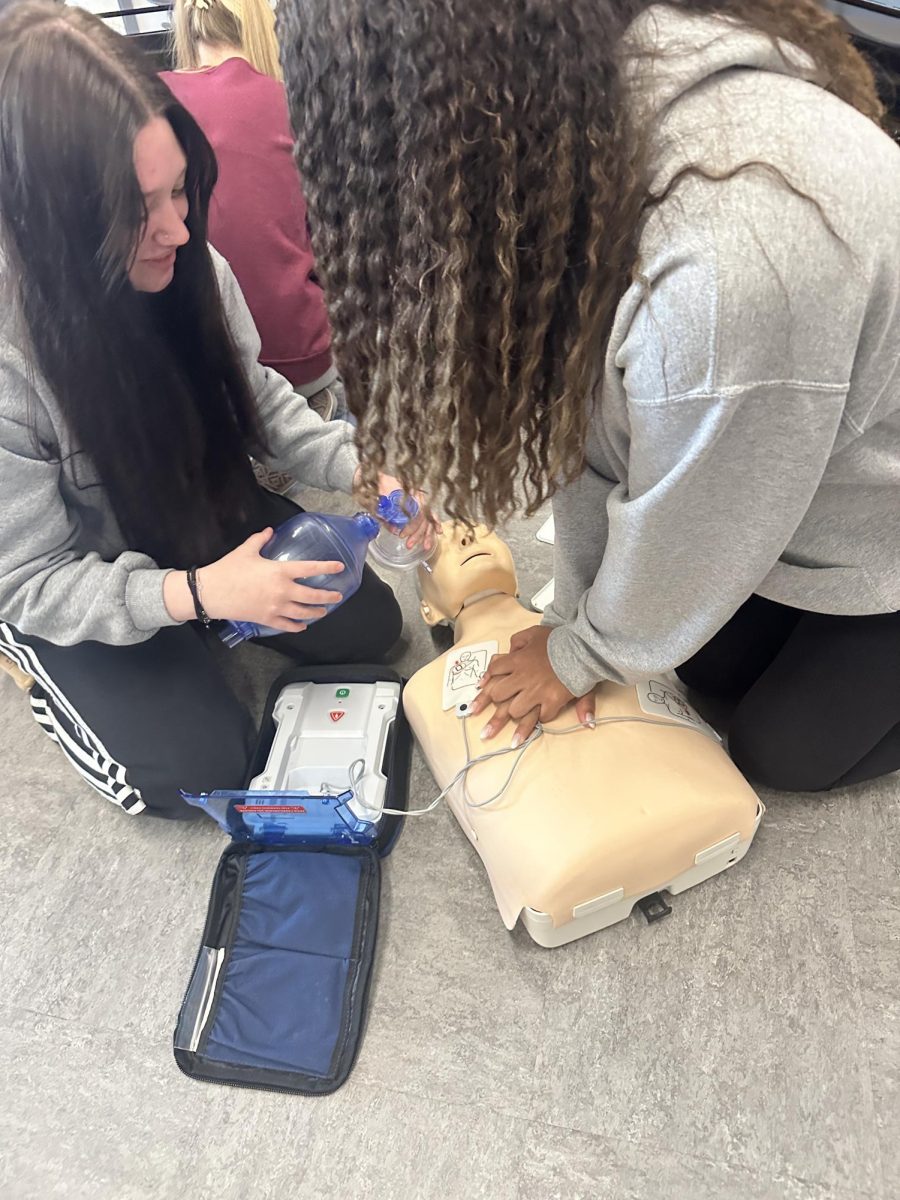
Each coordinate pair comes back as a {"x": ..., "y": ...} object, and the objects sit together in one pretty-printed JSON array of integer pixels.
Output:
[
  {"x": 590, "y": 722},
  {"x": 517, "y": 741},
  {"x": 486, "y": 733}
]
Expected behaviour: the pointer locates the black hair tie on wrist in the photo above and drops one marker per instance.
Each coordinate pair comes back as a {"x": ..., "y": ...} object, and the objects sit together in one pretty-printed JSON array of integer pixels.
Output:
[{"x": 199, "y": 611}]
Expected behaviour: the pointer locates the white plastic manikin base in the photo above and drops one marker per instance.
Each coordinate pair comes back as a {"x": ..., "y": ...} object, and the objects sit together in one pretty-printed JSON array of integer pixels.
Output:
[{"x": 615, "y": 906}]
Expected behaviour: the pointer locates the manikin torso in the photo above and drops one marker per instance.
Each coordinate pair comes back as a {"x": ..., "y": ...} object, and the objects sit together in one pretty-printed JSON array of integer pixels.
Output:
[{"x": 623, "y": 805}]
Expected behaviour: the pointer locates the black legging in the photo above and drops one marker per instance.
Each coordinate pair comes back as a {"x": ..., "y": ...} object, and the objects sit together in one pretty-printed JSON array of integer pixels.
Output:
[{"x": 818, "y": 696}]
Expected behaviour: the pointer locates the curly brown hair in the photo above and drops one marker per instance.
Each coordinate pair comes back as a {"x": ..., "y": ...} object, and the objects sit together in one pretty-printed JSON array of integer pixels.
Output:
[{"x": 476, "y": 188}]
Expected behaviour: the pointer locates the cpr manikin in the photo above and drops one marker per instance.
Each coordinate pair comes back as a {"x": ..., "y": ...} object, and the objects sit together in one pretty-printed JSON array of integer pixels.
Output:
[{"x": 590, "y": 821}]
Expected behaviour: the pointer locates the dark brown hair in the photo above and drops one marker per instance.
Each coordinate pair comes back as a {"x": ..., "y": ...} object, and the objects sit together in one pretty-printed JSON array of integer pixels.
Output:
[
  {"x": 150, "y": 386},
  {"x": 476, "y": 188}
]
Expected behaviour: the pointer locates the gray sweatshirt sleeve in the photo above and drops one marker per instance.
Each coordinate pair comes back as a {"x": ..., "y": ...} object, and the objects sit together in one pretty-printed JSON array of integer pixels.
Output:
[
  {"x": 726, "y": 391},
  {"x": 48, "y": 588},
  {"x": 701, "y": 529},
  {"x": 317, "y": 453}
]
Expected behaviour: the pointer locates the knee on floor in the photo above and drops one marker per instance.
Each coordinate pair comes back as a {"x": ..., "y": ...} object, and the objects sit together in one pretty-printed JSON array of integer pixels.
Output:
[
  {"x": 767, "y": 754},
  {"x": 381, "y": 627},
  {"x": 216, "y": 759}
]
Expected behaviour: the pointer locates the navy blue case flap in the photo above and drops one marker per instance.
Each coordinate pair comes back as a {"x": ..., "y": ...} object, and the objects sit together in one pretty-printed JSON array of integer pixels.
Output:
[{"x": 277, "y": 998}]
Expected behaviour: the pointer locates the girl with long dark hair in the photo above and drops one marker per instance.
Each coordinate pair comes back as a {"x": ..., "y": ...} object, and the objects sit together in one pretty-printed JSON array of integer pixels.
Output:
[
  {"x": 641, "y": 257},
  {"x": 130, "y": 401}
]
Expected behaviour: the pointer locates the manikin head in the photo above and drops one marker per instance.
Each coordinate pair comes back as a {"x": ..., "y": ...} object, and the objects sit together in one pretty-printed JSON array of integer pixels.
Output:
[{"x": 466, "y": 563}]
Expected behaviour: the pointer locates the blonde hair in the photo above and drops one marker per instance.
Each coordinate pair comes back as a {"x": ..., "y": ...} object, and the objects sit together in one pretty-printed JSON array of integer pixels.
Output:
[{"x": 247, "y": 25}]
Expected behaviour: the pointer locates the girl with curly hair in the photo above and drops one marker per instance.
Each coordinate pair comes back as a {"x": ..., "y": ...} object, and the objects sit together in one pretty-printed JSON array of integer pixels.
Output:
[{"x": 641, "y": 257}]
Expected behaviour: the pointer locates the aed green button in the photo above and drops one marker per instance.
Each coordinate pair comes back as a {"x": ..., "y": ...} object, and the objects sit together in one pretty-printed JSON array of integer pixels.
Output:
[{"x": 342, "y": 693}]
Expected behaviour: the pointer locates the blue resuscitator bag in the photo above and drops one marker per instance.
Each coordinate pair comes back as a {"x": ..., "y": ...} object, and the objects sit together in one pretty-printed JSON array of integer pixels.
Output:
[{"x": 321, "y": 537}]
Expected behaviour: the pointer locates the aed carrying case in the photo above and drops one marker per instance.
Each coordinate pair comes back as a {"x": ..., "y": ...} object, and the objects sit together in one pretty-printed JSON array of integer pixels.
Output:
[{"x": 277, "y": 997}]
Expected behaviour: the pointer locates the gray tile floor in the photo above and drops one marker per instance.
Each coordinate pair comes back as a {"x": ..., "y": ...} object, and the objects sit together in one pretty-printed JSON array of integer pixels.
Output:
[{"x": 747, "y": 1048}]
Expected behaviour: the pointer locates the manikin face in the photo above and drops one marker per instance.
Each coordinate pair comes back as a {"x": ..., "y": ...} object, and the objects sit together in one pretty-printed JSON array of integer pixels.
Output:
[
  {"x": 465, "y": 563},
  {"x": 161, "y": 167}
]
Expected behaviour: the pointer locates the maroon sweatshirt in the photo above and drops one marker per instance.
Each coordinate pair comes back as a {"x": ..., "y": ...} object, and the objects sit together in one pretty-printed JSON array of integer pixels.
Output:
[{"x": 257, "y": 218}]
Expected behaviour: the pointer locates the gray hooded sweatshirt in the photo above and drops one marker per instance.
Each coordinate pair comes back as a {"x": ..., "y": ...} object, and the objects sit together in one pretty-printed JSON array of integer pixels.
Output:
[
  {"x": 747, "y": 435},
  {"x": 66, "y": 574}
]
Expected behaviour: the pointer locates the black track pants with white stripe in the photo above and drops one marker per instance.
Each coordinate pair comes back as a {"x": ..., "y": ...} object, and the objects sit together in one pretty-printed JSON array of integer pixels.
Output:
[
  {"x": 138, "y": 722},
  {"x": 141, "y": 722}
]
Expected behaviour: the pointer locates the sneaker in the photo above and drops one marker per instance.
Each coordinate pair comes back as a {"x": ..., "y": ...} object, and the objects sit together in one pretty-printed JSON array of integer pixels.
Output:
[
  {"x": 278, "y": 482},
  {"x": 324, "y": 403}
]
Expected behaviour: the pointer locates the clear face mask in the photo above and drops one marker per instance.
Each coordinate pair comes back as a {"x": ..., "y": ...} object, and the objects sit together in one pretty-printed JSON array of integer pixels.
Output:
[{"x": 389, "y": 549}]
